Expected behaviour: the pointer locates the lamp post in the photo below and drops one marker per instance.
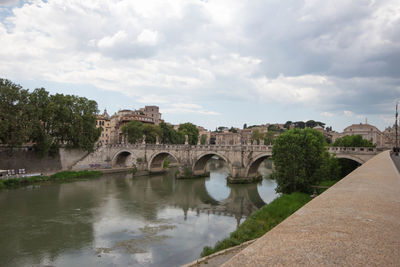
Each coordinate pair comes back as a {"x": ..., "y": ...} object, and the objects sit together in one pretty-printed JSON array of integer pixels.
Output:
[{"x": 396, "y": 147}]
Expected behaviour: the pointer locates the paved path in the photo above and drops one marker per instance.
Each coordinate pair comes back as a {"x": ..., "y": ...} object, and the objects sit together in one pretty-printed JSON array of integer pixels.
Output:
[
  {"x": 354, "y": 223},
  {"x": 396, "y": 160}
]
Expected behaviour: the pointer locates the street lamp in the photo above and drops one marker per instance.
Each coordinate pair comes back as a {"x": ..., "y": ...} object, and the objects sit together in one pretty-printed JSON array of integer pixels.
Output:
[{"x": 396, "y": 147}]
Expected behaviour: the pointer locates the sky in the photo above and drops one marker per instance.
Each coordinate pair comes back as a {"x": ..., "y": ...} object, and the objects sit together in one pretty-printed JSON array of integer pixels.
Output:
[{"x": 212, "y": 62}]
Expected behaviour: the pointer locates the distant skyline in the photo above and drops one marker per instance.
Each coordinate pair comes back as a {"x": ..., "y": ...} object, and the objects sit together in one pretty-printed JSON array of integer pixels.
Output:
[{"x": 213, "y": 63}]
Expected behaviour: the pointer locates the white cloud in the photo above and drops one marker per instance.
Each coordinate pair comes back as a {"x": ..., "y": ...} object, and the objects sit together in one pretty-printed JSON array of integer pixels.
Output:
[
  {"x": 327, "y": 114},
  {"x": 315, "y": 54},
  {"x": 188, "y": 108},
  {"x": 348, "y": 113},
  {"x": 148, "y": 37},
  {"x": 110, "y": 41}
]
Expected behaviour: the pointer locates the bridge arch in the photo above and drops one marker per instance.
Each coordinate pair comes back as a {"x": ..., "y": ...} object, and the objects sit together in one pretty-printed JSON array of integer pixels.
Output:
[
  {"x": 157, "y": 159},
  {"x": 350, "y": 157},
  {"x": 199, "y": 165},
  {"x": 123, "y": 158},
  {"x": 252, "y": 167}
]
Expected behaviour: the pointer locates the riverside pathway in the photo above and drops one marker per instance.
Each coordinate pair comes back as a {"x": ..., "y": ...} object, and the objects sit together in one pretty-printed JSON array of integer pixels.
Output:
[{"x": 356, "y": 222}]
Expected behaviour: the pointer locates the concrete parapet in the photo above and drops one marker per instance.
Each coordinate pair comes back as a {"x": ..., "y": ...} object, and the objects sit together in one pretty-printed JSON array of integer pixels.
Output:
[{"x": 354, "y": 223}]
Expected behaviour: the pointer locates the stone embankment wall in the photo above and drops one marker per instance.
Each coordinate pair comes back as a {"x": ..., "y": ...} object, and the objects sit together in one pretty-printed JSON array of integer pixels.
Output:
[
  {"x": 356, "y": 222},
  {"x": 25, "y": 158}
]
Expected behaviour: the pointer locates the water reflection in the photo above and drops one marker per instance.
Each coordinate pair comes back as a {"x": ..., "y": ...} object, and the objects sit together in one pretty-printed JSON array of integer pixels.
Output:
[{"x": 120, "y": 220}]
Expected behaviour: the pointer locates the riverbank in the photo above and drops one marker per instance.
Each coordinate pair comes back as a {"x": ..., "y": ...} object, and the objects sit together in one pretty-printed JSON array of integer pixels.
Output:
[
  {"x": 59, "y": 176},
  {"x": 261, "y": 221}
]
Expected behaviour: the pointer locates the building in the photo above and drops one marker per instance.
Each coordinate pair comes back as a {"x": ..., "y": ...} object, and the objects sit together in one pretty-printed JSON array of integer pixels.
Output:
[
  {"x": 152, "y": 112},
  {"x": 389, "y": 136},
  {"x": 148, "y": 114},
  {"x": 319, "y": 129},
  {"x": 227, "y": 138},
  {"x": 103, "y": 122},
  {"x": 367, "y": 131}
]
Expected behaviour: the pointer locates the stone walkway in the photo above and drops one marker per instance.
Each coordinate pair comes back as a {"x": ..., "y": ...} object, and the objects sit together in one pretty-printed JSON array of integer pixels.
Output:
[
  {"x": 396, "y": 160},
  {"x": 217, "y": 259},
  {"x": 356, "y": 222}
]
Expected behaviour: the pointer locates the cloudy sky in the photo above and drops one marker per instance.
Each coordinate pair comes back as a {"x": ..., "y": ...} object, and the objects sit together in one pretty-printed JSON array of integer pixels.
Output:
[{"x": 212, "y": 62}]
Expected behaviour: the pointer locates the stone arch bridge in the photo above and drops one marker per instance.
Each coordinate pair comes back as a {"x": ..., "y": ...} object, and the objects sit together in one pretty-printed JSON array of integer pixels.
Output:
[{"x": 243, "y": 161}]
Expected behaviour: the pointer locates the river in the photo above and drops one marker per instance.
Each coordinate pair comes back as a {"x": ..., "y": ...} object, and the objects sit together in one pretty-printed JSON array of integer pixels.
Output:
[{"x": 120, "y": 220}]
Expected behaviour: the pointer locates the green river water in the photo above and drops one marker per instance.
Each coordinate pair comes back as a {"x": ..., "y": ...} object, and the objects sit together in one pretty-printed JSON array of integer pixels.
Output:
[{"x": 120, "y": 220}]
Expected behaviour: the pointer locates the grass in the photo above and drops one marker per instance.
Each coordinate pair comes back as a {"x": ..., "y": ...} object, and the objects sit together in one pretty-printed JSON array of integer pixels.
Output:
[
  {"x": 59, "y": 176},
  {"x": 327, "y": 183},
  {"x": 261, "y": 221}
]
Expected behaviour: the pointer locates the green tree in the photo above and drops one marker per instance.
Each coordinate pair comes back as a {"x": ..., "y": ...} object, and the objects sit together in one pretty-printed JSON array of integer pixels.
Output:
[
  {"x": 191, "y": 131},
  {"x": 233, "y": 130},
  {"x": 269, "y": 138},
  {"x": 15, "y": 124},
  {"x": 298, "y": 154},
  {"x": 244, "y": 126},
  {"x": 133, "y": 131},
  {"x": 203, "y": 139},
  {"x": 41, "y": 116},
  {"x": 300, "y": 124},
  {"x": 167, "y": 133},
  {"x": 352, "y": 141},
  {"x": 151, "y": 131},
  {"x": 273, "y": 128},
  {"x": 47, "y": 120},
  {"x": 287, "y": 124},
  {"x": 256, "y": 136}
]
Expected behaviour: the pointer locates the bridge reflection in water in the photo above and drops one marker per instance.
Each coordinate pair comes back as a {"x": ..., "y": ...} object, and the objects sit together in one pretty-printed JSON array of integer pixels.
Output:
[{"x": 210, "y": 195}]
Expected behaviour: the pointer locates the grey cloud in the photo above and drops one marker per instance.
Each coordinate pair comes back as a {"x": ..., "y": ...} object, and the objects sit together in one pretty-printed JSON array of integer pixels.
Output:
[{"x": 8, "y": 2}]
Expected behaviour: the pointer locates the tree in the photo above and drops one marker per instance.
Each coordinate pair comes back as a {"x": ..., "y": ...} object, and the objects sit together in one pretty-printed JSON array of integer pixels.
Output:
[
  {"x": 287, "y": 124},
  {"x": 299, "y": 124},
  {"x": 312, "y": 123},
  {"x": 48, "y": 121},
  {"x": 203, "y": 139},
  {"x": 256, "y": 136},
  {"x": 233, "y": 130},
  {"x": 352, "y": 141},
  {"x": 151, "y": 131},
  {"x": 191, "y": 131},
  {"x": 273, "y": 128},
  {"x": 269, "y": 138},
  {"x": 133, "y": 131},
  {"x": 167, "y": 134},
  {"x": 299, "y": 155},
  {"x": 244, "y": 126},
  {"x": 41, "y": 115},
  {"x": 15, "y": 124}
]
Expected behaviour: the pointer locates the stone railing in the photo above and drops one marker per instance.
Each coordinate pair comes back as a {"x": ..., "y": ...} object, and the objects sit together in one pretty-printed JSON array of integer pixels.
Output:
[
  {"x": 369, "y": 150},
  {"x": 197, "y": 147}
]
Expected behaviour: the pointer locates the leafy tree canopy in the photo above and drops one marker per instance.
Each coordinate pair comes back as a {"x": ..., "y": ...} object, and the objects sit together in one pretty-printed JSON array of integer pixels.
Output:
[
  {"x": 48, "y": 121},
  {"x": 352, "y": 141},
  {"x": 191, "y": 131},
  {"x": 301, "y": 160}
]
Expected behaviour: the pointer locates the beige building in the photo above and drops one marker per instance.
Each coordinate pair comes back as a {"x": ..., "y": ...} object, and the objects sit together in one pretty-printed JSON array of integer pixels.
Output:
[
  {"x": 389, "y": 136},
  {"x": 367, "y": 131},
  {"x": 152, "y": 112},
  {"x": 227, "y": 138},
  {"x": 319, "y": 129},
  {"x": 103, "y": 122},
  {"x": 148, "y": 114}
]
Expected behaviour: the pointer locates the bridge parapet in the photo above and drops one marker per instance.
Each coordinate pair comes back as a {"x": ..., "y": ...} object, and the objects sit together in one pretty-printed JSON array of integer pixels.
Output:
[{"x": 352, "y": 150}]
